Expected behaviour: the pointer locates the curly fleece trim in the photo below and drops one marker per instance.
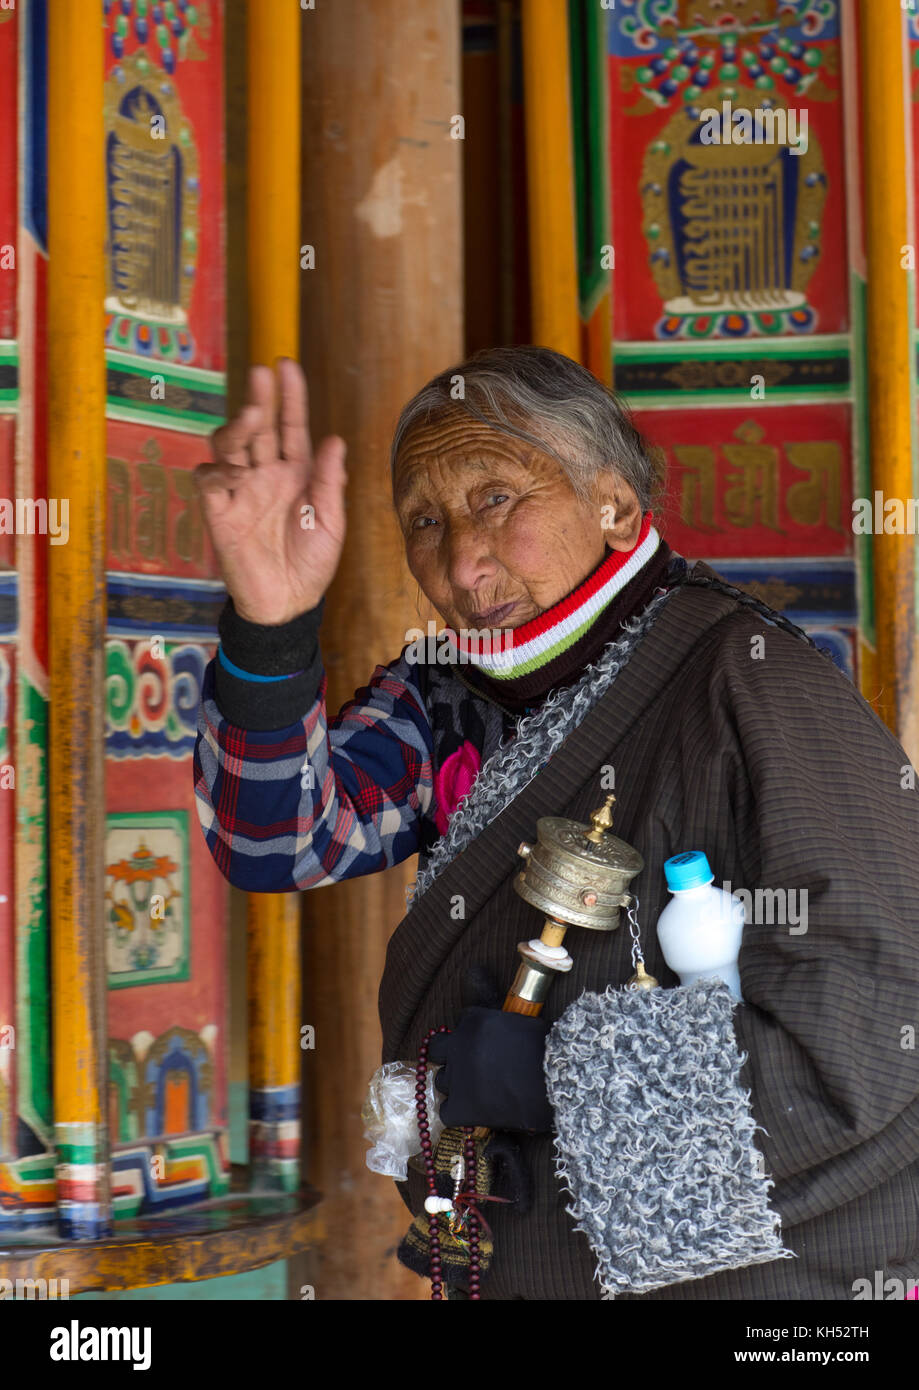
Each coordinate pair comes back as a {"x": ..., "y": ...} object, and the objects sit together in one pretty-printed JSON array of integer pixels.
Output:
[{"x": 655, "y": 1136}]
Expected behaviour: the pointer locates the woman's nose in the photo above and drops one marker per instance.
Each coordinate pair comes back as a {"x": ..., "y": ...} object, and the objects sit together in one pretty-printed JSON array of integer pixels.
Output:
[{"x": 468, "y": 556}]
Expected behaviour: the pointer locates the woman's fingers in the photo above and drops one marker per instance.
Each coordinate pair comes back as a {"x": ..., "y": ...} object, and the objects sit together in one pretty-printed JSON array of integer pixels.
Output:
[
  {"x": 216, "y": 484},
  {"x": 293, "y": 412},
  {"x": 252, "y": 438},
  {"x": 327, "y": 485},
  {"x": 260, "y": 389},
  {"x": 263, "y": 446},
  {"x": 230, "y": 443}
]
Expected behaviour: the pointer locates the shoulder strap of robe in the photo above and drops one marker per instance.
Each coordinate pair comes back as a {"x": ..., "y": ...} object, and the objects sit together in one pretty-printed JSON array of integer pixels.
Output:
[{"x": 427, "y": 933}]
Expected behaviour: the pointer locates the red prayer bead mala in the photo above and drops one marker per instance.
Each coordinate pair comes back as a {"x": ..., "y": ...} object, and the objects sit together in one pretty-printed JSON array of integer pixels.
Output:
[{"x": 469, "y": 1175}]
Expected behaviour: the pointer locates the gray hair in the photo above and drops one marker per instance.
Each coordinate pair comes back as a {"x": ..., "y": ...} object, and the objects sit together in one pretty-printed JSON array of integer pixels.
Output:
[{"x": 580, "y": 422}]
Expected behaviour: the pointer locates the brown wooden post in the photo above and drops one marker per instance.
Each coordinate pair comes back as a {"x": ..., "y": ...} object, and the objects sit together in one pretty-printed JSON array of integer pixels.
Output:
[{"x": 381, "y": 313}]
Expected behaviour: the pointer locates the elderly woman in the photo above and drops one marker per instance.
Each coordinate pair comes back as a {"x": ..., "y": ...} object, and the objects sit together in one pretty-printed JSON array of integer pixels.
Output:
[{"x": 525, "y": 508}]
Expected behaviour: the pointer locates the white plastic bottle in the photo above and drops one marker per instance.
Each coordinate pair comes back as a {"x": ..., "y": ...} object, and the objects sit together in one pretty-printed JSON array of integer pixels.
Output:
[{"x": 700, "y": 929}]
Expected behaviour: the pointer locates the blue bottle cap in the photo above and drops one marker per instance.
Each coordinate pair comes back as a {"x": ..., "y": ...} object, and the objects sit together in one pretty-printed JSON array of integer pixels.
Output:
[{"x": 689, "y": 870}]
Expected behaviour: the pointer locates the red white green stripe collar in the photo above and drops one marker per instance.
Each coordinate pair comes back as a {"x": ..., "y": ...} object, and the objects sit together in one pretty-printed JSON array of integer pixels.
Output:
[{"x": 507, "y": 653}]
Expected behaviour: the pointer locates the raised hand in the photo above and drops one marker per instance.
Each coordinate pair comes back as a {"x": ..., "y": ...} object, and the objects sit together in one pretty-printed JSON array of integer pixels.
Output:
[{"x": 274, "y": 509}]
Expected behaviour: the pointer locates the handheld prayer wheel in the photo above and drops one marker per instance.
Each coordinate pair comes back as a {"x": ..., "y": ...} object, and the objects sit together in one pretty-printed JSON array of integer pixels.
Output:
[{"x": 577, "y": 875}]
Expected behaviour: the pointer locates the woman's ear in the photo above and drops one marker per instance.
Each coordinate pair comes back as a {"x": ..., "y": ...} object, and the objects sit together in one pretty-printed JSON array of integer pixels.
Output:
[{"x": 620, "y": 513}]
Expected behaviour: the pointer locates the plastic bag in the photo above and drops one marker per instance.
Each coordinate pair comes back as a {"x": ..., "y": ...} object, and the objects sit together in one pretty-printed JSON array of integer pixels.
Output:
[{"x": 391, "y": 1119}]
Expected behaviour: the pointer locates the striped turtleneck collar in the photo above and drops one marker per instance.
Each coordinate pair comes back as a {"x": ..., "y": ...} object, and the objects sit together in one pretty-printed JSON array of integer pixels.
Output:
[{"x": 507, "y": 654}]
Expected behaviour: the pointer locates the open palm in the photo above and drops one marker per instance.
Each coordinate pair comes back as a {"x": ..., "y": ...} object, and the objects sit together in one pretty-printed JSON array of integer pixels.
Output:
[{"x": 274, "y": 509}]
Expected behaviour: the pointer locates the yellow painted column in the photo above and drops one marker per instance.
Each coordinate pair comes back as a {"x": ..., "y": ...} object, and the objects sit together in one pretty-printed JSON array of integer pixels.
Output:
[
  {"x": 550, "y": 176},
  {"x": 273, "y": 249},
  {"x": 76, "y": 613},
  {"x": 885, "y": 112}
]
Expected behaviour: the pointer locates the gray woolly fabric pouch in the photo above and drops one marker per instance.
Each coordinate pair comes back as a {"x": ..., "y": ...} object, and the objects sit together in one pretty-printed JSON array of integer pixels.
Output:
[{"x": 655, "y": 1136}]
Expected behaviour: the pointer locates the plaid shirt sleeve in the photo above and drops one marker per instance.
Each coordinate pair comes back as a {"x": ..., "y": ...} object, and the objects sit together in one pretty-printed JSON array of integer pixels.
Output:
[{"x": 320, "y": 800}]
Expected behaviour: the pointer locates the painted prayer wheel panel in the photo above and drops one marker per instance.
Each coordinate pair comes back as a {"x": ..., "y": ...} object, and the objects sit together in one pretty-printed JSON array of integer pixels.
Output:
[
  {"x": 165, "y": 907},
  {"x": 738, "y": 302},
  {"x": 165, "y": 902},
  {"x": 728, "y": 238}
]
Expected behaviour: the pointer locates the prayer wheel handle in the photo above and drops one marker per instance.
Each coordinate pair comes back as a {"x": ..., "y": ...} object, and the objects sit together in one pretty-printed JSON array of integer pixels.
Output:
[
  {"x": 579, "y": 876},
  {"x": 540, "y": 960}
]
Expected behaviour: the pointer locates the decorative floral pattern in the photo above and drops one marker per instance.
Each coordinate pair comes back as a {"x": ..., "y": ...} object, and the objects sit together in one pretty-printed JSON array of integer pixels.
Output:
[{"x": 151, "y": 701}]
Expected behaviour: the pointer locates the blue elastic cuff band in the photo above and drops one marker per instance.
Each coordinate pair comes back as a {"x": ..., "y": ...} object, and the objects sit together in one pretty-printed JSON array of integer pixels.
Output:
[{"x": 234, "y": 670}]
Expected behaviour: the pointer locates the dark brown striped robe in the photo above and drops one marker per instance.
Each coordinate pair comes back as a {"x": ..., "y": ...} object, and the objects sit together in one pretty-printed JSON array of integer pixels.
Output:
[{"x": 779, "y": 771}]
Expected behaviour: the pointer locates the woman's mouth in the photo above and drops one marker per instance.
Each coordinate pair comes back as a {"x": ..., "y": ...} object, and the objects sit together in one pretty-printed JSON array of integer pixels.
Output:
[{"x": 490, "y": 617}]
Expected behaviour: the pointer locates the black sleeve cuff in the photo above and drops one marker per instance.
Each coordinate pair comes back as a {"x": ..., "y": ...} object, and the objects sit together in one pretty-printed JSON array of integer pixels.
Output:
[
  {"x": 264, "y": 706},
  {"x": 270, "y": 651}
]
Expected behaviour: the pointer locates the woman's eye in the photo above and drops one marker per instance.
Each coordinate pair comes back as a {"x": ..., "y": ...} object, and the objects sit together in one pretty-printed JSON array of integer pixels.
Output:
[
  {"x": 420, "y": 522},
  {"x": 495, "y": 499}
]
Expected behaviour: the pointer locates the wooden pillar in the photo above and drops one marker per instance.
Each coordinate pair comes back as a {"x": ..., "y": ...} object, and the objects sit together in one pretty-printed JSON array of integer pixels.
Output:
[
  {"x": 76, "y": 613},
  {"x": 273, "y": 242},
  {"x": 550, "y": 176},
  {"x": 891, "y": 402},
  {"x": 381, "y": 314}
]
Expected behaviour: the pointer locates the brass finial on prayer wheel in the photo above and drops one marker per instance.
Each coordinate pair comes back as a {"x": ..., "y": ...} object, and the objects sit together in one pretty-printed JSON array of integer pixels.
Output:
[{"x": 601, "y": 820}]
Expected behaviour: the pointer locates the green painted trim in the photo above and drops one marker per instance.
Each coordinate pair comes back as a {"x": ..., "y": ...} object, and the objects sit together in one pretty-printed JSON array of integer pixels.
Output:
[
  {"x": 34, "y": 1168},
  {"x": 206, "y": 1146},
  {"x": 830, "y": 345},
  {"x": 238, "y": 1120},
  {"x": 163, "y": 419},
  {"x": 199, "y": 377},
  {"x": 33, "y": 968},
  {"x": 277, "y": 1174},
  {"x": 158, "y": 414},
  {"x": 9, "y": 358},
  {"x": 79, "y": 1153},
  {"x": 128, "y": 1127},
  {"x": 698, "y": 400},
  {"x": 127, "y": 1205},
  {"x": 588, "y": 77}
]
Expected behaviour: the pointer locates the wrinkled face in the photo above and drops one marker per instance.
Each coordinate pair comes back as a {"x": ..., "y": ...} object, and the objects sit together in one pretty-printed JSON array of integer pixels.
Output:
[{"x": 494, "y": 533}]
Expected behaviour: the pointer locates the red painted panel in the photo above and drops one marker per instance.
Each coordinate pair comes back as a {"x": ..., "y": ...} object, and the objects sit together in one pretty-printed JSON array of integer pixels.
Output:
[
  {"x": 744, "y": 483},
  {"x": 138, "y": 785},
  {"x": 195, "y": 78},
  {"x": 154, "y": 518},
  {"x": 801, "y": 215}
]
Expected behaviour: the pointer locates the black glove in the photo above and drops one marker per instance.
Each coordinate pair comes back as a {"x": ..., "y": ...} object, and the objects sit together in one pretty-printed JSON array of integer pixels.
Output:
[{"x": 492, "y": 1073}]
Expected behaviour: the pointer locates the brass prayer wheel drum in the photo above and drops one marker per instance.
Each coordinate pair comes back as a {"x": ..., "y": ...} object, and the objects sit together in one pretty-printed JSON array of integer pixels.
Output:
[{"x": 577, "y": 875}]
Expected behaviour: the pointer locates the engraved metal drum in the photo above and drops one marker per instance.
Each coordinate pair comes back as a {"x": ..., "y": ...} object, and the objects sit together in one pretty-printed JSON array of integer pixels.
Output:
[{"x": 576, "y": 875}]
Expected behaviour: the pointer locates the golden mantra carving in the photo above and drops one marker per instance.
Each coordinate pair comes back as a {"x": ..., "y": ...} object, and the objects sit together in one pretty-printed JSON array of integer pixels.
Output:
[
  {"x": 718, "y": 221},
  {"x": 752, "y": 494},
  {"x": 152, "y": 194}
]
